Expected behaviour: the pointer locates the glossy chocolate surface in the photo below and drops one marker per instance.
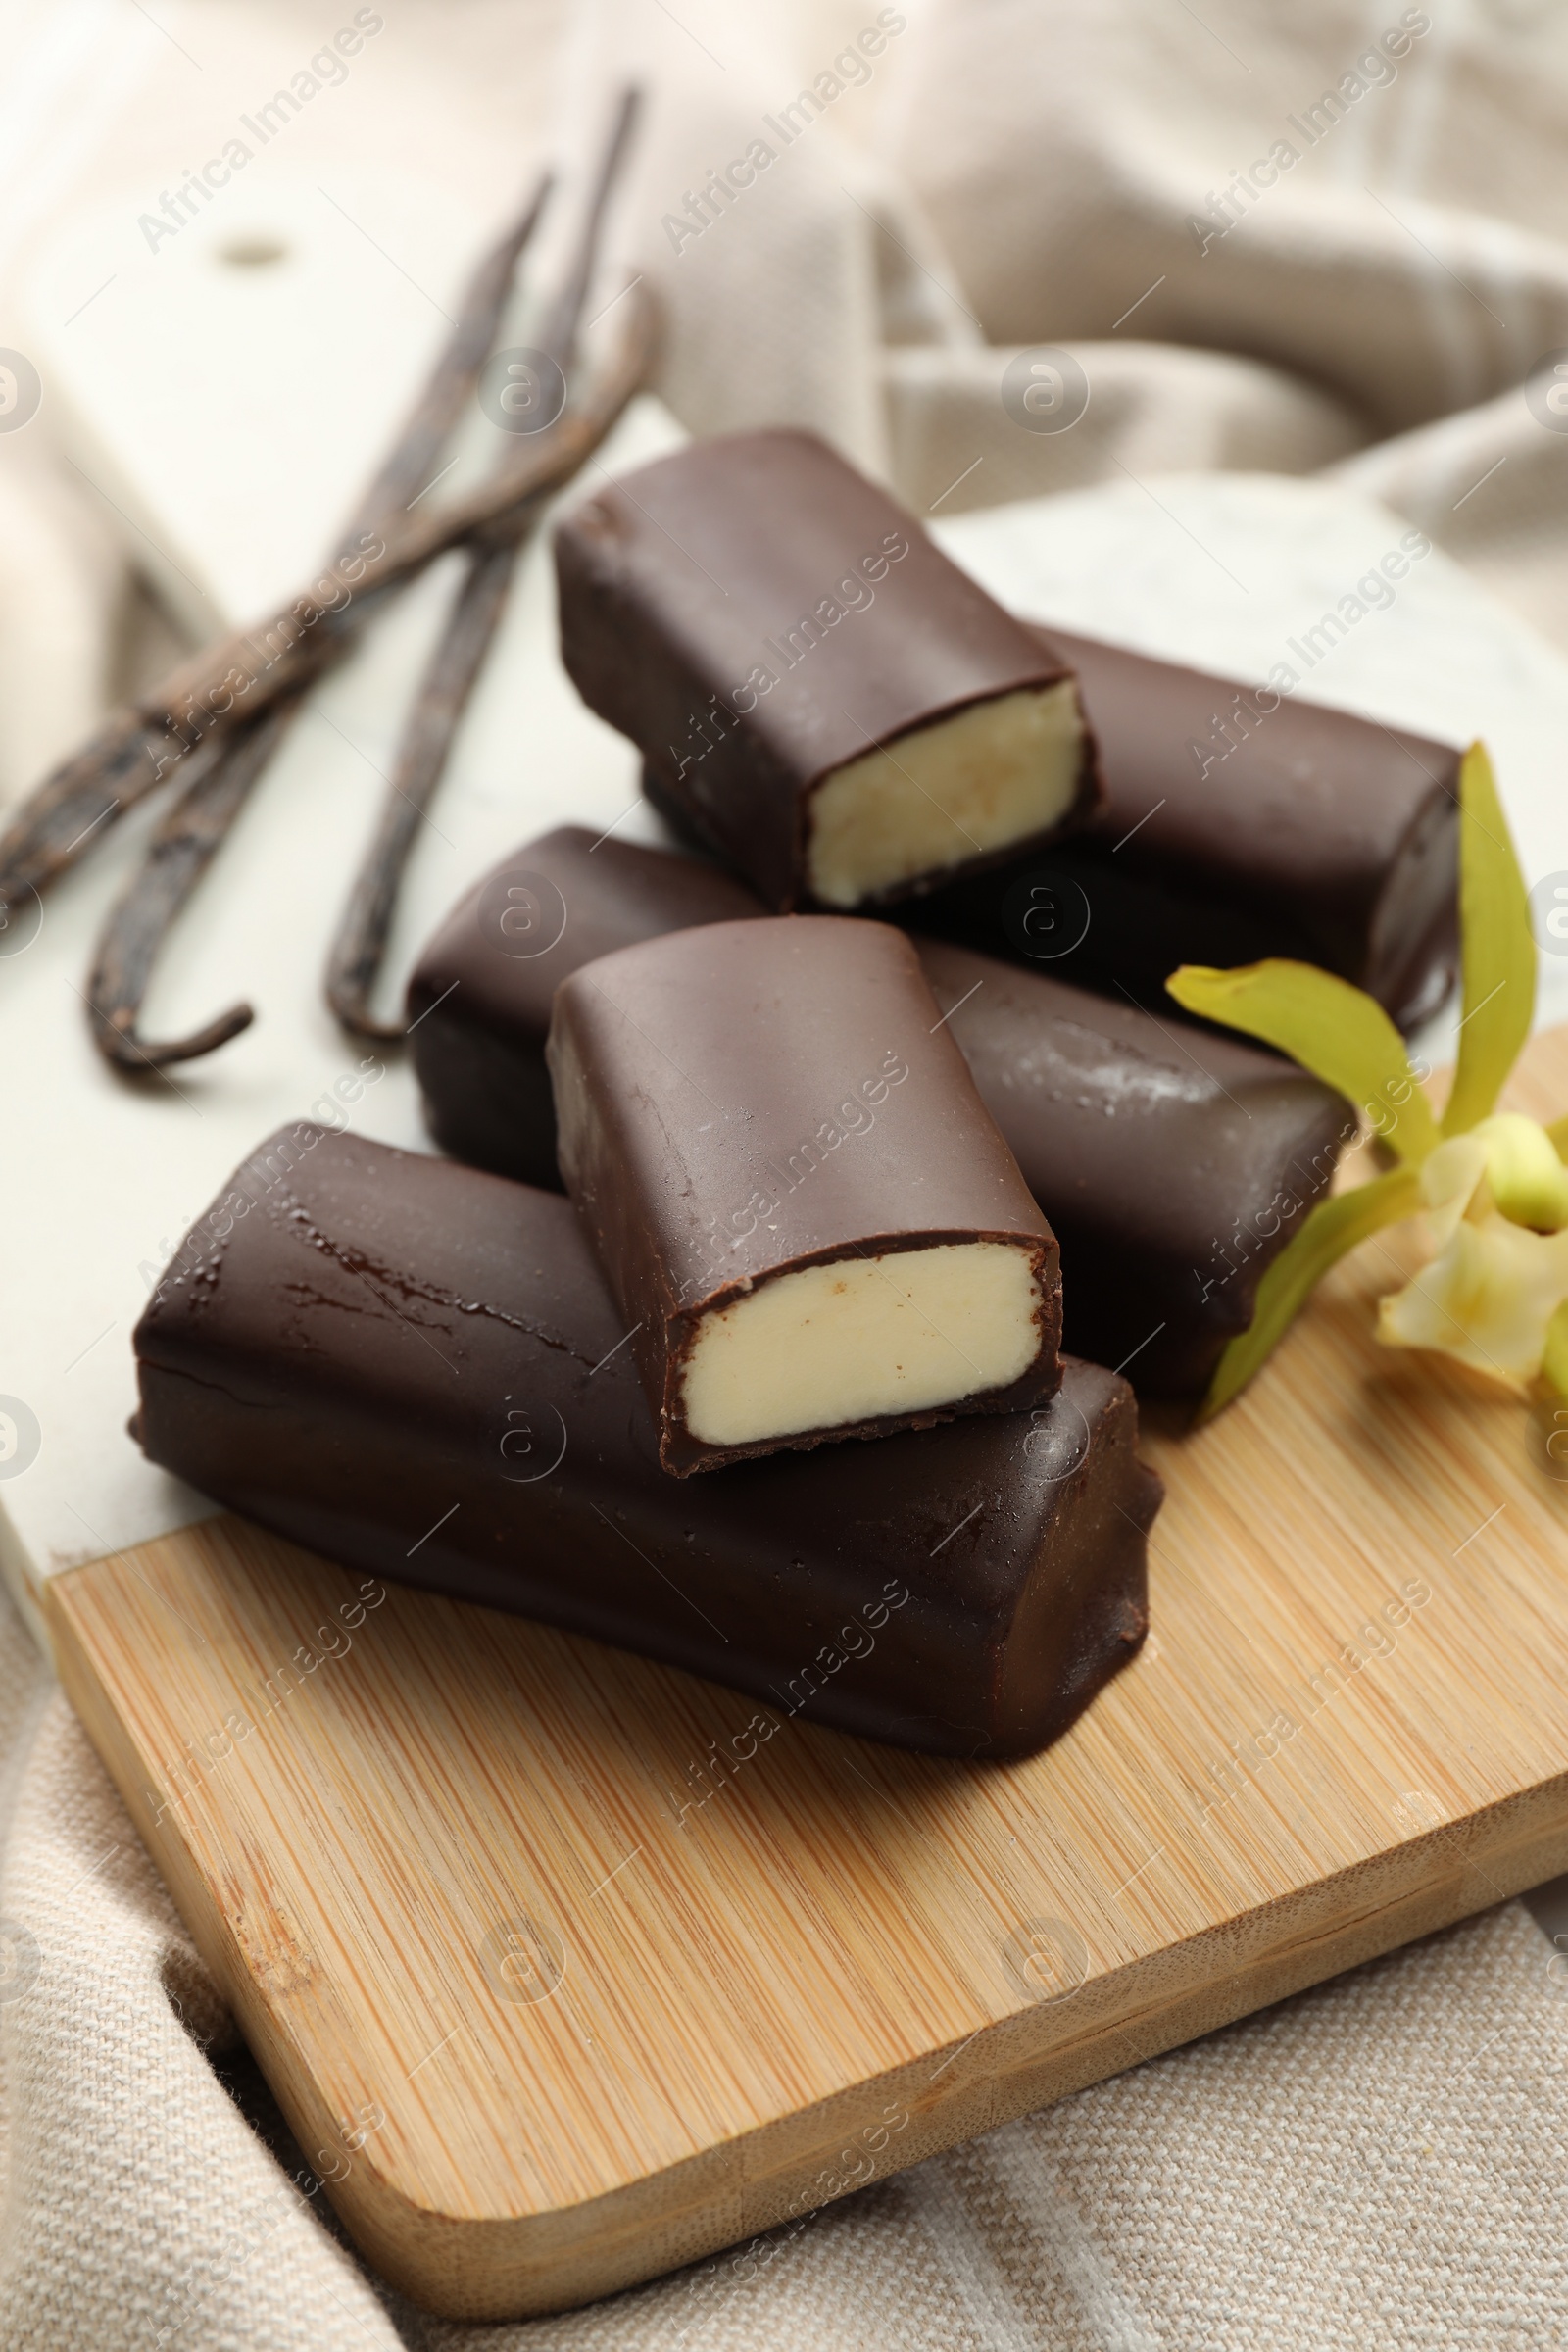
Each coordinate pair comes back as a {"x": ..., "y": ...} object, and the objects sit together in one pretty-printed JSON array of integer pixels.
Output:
[
  {"x": 678, "y": 595},
  {"x": 480, "y": 997},
  {"x": 1236, "y": 824},
  {"x": 1173, "y": 1164},
  {"x": 749, "y": 1098},
  {"x": 412, "y": 1367}
]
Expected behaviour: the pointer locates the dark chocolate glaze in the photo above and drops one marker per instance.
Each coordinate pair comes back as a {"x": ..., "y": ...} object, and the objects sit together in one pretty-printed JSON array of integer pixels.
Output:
[
  {"x": 392, "y": 1360},
  {"x": 1173, "y": 1164},
  {"x": 1318, "y": 835},
  {"x": 480, "y": 997},
  {"x": 740, "y": 1100},
  {"x": 679, "y": 593}
]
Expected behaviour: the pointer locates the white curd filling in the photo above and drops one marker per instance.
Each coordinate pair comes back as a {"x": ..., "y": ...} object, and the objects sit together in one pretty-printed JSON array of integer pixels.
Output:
[
  {"x": 829, "y": 1346},
  {"x": 991, "y": 775}
]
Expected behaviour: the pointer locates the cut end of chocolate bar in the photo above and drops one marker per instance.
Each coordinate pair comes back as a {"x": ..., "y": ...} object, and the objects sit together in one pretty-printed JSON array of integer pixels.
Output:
[
  {"x": 798, "y": 1258},
  {"x": 860, "y": 1339},
  {"x": 822, "y": 697},
  {"x": 1001, "y": 773},
  {"x": 1236, "y": 822}
]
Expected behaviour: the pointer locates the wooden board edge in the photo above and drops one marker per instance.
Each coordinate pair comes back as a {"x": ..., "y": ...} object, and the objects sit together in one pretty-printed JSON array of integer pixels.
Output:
[{"x": 529, "y": 2264}]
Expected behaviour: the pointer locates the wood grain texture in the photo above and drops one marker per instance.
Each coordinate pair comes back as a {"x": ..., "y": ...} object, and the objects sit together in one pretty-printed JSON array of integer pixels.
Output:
[{"x": 559, "y": 2000}]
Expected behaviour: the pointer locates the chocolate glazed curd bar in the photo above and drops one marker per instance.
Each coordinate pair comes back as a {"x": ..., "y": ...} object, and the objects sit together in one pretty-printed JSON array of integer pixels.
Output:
[
  {"x": 824, "y": 698},
  {"x": 1174, "y": 1165},
  {"x": 1171, "y": 1164},
  {"x": 1236, "y": 823},
  {"x": 412, "y": 1367},
  {"x": 479, "y": 999},
  {"x": 804, "y": 1210}
]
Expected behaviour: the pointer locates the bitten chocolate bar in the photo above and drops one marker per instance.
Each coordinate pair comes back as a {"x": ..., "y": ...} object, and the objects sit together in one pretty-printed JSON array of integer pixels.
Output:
[
  {"x": 821, "y": 695},
  {"x": 804, "y": 1209},
  {"x": 479, "y": 999},
  {"x": 413, "y": 1368},
  {"x": 1171, "y": 1164},
  {"x": 1237, "y": 823}
]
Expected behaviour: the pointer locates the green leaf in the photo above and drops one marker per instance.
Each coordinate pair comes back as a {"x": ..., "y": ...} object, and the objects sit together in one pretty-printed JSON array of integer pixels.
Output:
[
  {"x": 1498, "y": 948},
  {"x": 1332, "y": 1029},
  {"x": 1333, "y": 1228},
  {"x": 1554, "y": 1362}
]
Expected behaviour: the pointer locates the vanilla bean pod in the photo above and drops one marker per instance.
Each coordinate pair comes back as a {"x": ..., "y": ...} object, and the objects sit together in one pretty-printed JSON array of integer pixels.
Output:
[
  {"x": 179, "y": 854},
  {"x": 404, "y": 477},
  {"x": 193, "y": 830},
  {"x": 119, "y": 963},
  {"x": 444, "y": 690},
  {"x": 360, "y": 947},
  {"x": 236, "y": 680},
  {"x": 232, "y": 681}
]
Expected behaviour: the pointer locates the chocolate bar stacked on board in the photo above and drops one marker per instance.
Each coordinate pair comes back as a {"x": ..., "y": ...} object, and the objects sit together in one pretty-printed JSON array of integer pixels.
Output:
[{"x": 787, "y": 1355}]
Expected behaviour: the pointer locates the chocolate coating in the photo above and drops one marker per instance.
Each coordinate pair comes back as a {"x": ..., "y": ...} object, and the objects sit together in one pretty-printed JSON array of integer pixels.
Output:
[
  {"x": 676, "y": 590},
  {"x": 410, "y": 1367},
  {"x": 1317, "y": 835},
  {"x": 1173, "y": 1164},
  {"x": 480, "y": 996},
  {"x": 752, "y": 1098}
]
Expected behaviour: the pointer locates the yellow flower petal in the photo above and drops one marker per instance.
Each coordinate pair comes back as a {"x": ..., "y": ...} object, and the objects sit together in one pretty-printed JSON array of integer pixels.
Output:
[
  {"x": 1498, "y": 951},
  {"x": 1332, "y": 1029},
  {"x": 1449, "y": 1180},
  {"x": 1488, "y": 1299},
  {"x": 1554, "y": 1362},
  {"x": 1528, "y": 1182}
]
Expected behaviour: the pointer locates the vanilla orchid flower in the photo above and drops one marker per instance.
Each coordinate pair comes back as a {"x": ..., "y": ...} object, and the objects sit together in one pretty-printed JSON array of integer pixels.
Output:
[
  {"x": 1493, "y": 1184},
  {"x": 1497, "y": 1200}
]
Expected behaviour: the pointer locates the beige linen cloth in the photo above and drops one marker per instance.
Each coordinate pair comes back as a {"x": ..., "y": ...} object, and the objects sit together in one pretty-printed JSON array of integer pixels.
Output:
[{"x": 1269, "y": 238}]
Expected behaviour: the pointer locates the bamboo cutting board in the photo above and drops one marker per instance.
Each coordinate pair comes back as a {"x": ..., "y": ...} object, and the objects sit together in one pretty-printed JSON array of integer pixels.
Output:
[{"x": 564, "y": 1977}]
